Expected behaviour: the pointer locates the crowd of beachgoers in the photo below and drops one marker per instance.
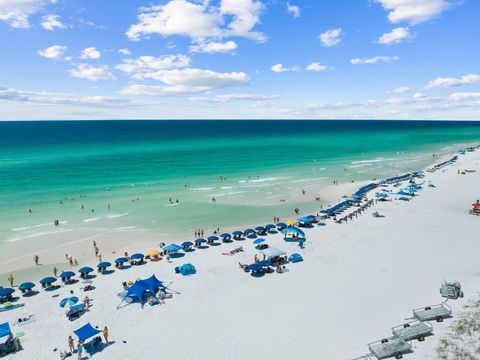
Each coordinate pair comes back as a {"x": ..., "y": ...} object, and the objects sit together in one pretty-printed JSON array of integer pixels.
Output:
[{"x": 152, "y": 291}]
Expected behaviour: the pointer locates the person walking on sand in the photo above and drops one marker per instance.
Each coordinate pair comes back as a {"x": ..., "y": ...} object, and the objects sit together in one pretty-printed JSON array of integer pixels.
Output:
[
  {"x": 70, "y": 259},
  {"x": 11, "y": 279},
  {"x": 55, "y": 271},
  {"x": 105, "y": 334},
  {"x": 35, "y": 259},
  {"x": 71, "y": 346},
  {"x": 79, "y": 350}
]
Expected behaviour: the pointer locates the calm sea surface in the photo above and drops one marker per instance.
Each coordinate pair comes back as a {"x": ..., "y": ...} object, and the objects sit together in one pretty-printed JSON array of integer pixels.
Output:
[{"x": 124, "y": 173}]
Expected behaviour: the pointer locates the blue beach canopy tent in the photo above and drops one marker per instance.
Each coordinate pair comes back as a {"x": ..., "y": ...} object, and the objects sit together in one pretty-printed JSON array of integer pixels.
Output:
[
  {"x": 293, "y": 234},
  {"x": 172, "y": 248},
  {"x": 137, "y": 291},
  {"x": 86, "y": 332},
  {"x": 153, "y": 282},
  {"x": 295, "y": 257},
  {"x": 270, "y": 227},
  {"x": 186, "y": 269},
  {"x": 26, "y": 286},
  {"x": 5, "y": 330}
]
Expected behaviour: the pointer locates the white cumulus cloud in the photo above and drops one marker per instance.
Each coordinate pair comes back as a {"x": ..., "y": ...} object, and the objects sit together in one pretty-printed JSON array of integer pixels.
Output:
[
  {"x": 374, "y": 60},
  {"x": 199, "y": 20},
  {"x": 90, "y": 53},
  {"x": 294, "y": 10},
  {"x": 214, "y": 47},
  {"x": 444, "y": 82},
  {"x": 401, "y": 90},
  {"x": 55, "y": 52},
  {"x": 331, "y": 37},
  {"x": 316, "y": 66},
  {"x": 16, "y": 12},
  {"x": 279, "y": 68},
  {"x": 124, "y": 51},
  {"x": 146, "y": 64},
  {"x": 52, "y": 22},
  {"x": 464, "y": 96},
  {"x": 93, "y": 73},
  {"x": 186, "y": 81},
  {"x": 395, "y": 36},
  {"x": 413, "y": 11}
]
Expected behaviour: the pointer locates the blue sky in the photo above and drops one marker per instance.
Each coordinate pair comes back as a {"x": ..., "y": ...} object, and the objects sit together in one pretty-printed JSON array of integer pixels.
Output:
[{"x": 373, "y": 59}]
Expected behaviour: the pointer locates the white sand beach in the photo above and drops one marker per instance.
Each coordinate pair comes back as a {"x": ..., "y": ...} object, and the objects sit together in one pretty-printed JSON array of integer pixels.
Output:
[{"x": 357, "y": 281}]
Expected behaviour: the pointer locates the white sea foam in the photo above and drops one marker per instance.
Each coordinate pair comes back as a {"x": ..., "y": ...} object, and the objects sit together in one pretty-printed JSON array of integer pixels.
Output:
[
  {"x": 202, "y": 188},
  {"x": 370, "y": 161},
  {"x": 123, "y": 228},
  {"x": 32, "y": 227},
  {"x": 92, "y": 219},
  {"x": 227, "y": 193},
  {"x": 42, "y": 233},
  {"x": 307, "y": 180},
  {"x": 117, "y": 215}
]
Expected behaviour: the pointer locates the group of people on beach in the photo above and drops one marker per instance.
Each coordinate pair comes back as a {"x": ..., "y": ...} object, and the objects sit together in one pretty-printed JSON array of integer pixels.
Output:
[{"x": 81, "y": 346}]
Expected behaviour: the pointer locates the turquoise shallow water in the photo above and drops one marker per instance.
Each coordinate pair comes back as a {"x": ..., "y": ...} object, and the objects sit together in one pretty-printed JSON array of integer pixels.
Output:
[{"x": 137, "y": 166}]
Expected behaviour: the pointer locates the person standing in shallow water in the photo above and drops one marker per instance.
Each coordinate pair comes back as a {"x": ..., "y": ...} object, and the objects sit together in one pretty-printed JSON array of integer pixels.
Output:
[
  {"x": 35, "y": 259},
  {"x": 11, "y": 279}
]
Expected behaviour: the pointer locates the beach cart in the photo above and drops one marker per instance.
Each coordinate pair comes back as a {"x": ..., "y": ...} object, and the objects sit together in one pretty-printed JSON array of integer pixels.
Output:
[
  {"x": 414, "y": 329},
  {"x": 451, "y": 290},
  {"x": 433, "y": 312},
  {"x": 390, "y": 347}
]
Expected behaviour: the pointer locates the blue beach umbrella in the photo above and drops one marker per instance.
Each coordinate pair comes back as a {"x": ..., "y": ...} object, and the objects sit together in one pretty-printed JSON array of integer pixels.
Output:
[
  {"x": 85, "y": 270},
  {"x": 172, "y": 247},
  {"x": 121, "y": 260},
  {"x": 281, "y": 225},
  {"x": 260, "y": 228},
  {"x": 67, "y": 274},
  {"x": 200, "y": 241},
  {"x": 104, "y": 264},
  {"x": 226, "y": 236},
  {"x": 212, "y": 238},
  {"x": 26, "y": 286},
  {"x": 48, "y": 280},
  {"x": 6, "y": 292},
  {"x": 68, "y": 302},
  {"x": 187, "y": 244},
  {"x": 258, "y": 241},
  {"x": 249, "y": 231},
  {"x": 270, "y": 226},
  {"x": 237, "y": 233},
  {"x": 137, "y": 256}
]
